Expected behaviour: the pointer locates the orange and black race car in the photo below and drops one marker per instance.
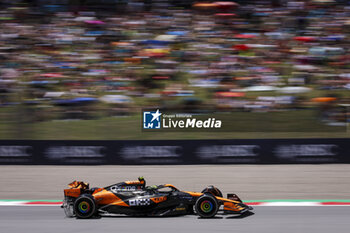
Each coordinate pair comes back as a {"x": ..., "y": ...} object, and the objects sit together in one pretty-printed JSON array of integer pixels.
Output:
[{"x": 134, "y": 198}]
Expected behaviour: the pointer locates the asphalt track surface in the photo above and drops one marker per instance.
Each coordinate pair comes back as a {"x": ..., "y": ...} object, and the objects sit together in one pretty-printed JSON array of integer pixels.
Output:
[
  {"x": 320, "y": 219},
  {"x": 250, "y": 182}
]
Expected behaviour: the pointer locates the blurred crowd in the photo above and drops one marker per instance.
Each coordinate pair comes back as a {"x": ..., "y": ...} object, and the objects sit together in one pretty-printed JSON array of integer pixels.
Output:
[{"x": 71, "y": 61}]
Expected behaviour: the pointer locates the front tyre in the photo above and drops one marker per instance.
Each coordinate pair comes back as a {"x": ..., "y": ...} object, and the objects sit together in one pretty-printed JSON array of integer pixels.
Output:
[
  {"x": 206, "y": 206},
  {"x": 84, "y": 207}
]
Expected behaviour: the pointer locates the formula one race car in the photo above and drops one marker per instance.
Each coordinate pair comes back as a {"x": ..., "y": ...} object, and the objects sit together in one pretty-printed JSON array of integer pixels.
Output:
[{"x": 134, "y": 198}]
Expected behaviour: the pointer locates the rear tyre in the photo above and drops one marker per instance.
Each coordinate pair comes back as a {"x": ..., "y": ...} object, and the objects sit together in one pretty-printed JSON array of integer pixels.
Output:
[
  {"x": 84, "y": 206},
  {"x": 206, "y": 206}
]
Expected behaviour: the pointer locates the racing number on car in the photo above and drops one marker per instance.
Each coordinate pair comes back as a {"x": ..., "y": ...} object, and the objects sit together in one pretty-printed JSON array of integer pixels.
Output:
[{"x": 140, "y": 202}]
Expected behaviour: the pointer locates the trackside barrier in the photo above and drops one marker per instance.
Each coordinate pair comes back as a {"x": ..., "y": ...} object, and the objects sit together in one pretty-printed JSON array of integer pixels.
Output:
[{"x": 143, "y": 152}]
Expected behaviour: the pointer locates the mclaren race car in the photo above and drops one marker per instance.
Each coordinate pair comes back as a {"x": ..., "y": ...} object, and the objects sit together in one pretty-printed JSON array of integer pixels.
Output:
[{"x": 134, "y": 198}]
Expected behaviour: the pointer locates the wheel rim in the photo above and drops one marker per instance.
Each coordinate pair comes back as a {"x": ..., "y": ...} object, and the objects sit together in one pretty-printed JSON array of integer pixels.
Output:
[
  {"x": 84, "y": 207},
  {"x": 206, "y": 206}
]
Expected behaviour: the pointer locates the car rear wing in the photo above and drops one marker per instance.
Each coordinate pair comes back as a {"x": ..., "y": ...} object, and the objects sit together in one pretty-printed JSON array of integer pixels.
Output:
[
  {"x": 79, "y": 184},
  {"x": 76, "y": 188}
]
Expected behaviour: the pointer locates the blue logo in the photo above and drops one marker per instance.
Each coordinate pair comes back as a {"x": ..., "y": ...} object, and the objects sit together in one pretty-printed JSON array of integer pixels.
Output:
[{"x": 151, "y": 120}]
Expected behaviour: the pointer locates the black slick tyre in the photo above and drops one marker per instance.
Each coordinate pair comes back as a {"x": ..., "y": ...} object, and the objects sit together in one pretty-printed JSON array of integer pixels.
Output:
[
  {"x": 84, "y": 206},
  {"x": 206, "y": 206}
]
